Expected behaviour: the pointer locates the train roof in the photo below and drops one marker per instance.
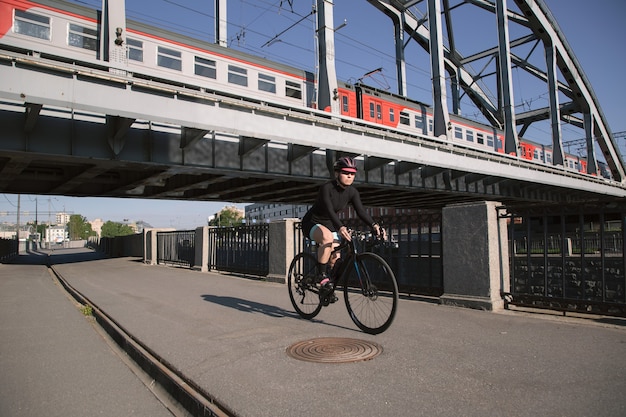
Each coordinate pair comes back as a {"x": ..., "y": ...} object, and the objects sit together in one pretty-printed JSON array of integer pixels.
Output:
[{"x": 392, "y": 96}]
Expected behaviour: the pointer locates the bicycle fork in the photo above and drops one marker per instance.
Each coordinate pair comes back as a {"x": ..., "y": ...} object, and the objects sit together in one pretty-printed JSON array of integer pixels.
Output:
[{"x": 363, "y": 276}]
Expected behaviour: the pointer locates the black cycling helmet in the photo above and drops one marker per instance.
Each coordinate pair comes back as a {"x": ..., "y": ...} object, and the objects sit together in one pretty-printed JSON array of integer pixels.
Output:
[{"x": 345, "y": 163}]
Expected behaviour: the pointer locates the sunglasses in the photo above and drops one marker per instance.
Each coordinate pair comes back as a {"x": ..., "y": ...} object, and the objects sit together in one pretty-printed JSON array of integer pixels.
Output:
[{"x": 347, "y": 173}]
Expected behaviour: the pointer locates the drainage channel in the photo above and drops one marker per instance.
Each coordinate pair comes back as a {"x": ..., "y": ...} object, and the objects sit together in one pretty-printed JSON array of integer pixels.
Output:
[{"x": 179, "y": 394}]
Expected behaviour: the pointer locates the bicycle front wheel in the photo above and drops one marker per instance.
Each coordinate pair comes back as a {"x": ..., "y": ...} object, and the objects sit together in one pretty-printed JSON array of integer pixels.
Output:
[
  {"x": 370, "y": 293},
  {"x": 301, "y": 282}
]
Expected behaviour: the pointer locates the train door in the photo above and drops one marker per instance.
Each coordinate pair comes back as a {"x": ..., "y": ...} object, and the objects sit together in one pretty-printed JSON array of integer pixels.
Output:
[
  {"x": 375, "y": 111},
  {"x": 347, "y": 101}
]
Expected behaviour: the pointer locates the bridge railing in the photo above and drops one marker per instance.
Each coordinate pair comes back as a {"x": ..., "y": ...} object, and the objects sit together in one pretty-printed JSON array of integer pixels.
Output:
[
  {"x": 569, "y": 259},
  {"x": 263, "y": 250},
  {"x": 241, "y": 249},
  {"x": 176, "y": 247}
]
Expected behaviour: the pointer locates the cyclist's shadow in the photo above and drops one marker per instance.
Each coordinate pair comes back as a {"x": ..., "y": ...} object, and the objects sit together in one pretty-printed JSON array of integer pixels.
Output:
[
  {"x": 249, "y": 306},
  {"x": 254, "y": 307}
]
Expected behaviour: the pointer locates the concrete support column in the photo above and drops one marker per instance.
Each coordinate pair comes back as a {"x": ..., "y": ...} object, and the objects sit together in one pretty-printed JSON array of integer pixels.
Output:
[
  {"x": 150, "y": 247},
  {"x": 281, "y": 247},
  {"x": 201, "y": 245},
  {"x": 475, "y": 256}
]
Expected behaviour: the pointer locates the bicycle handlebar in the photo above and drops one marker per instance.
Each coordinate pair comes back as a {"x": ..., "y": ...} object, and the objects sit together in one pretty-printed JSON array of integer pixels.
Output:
[{"x": 367, "y": 238}]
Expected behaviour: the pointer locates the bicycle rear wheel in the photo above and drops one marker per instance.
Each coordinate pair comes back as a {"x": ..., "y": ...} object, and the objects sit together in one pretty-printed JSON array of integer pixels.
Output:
[
  {"x": 370, "y": 293},
  {"x": 301, "y": 281}
]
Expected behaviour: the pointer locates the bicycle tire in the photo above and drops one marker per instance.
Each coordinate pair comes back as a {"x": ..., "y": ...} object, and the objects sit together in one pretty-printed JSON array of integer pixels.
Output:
[
  {"x": 373, "y": 300},
  {"x": 301, "y": 282}
]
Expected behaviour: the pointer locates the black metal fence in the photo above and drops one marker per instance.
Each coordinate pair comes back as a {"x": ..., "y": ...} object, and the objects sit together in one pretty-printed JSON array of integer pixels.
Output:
[
  {"x": 177, "y": 247},
  {"x": 129, "y": 245},
  {"x": 241, "y": 249},
  {"x": 569, "y": 259},
  {"x": 8, "y": 249},
  {"x": 415, "y": 257}
]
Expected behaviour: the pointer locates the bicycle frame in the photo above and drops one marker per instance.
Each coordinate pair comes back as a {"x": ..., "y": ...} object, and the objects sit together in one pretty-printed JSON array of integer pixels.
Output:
[{"x": 351, "y": 256}]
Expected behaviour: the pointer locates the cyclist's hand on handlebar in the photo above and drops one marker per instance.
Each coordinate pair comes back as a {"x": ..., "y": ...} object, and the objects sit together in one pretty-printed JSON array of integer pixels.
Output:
[{"x": 345, "y": 233}]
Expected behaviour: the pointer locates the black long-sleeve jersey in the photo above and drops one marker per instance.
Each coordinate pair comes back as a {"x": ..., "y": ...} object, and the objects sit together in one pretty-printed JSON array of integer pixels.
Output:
[{"x": 331, "y": 199}]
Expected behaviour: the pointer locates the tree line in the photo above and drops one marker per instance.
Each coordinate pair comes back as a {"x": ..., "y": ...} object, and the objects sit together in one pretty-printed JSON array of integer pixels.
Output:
[{"x": 80, "y": 229}]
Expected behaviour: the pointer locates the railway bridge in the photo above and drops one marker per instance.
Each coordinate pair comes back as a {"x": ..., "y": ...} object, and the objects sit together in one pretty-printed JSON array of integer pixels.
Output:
[{"x": 90, "y": 127}]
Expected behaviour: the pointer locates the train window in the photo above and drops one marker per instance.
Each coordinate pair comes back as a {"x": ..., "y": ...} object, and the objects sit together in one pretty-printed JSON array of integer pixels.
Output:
[
  {"x": 480, "y": 138},
  {"x": 379, "y": 112},
  {"x": 345, "y": 104},
  {"x": 372, "y": 111},
  {"x": 135, "y": 49},
  {"x": 169, "y": 58},
  {"x": 458, "y": 132},
  {"x": 205, "y": 68},
  {"x": 548, "y": 157},
  {"x": 469, "y": 135},
  {"x": 499, "y": 144},
  {"x": 293, "y": 90},
  {"x": 536, "y": 154},
  {"x": 430, "y": 125},
  {"x": 237, "y": 75},
  {"x": 31, "y": 24},
  {"x": 405, "y": 119},
  {"x": 392, "y": 116},
  {"x": 267, "y": 83},
  {"x": 490, "y": 141},
  {"x": 419, "y": 121},
  {"x": 82, "y": 37}
]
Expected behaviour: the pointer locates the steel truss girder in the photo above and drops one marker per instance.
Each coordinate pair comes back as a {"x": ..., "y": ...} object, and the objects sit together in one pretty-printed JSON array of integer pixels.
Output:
[{"x": 537, "y": 18}]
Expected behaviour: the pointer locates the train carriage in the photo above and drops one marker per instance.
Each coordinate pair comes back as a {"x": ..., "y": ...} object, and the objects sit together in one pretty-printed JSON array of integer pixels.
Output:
[{"x": 69, "y": 32}]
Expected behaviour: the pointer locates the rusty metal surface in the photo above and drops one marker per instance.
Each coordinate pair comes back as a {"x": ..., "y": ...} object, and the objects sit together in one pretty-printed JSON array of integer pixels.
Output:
[{"x": 334, "y": 350}]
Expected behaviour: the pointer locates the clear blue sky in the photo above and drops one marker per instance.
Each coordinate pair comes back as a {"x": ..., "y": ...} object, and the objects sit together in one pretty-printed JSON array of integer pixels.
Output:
[{"x": 594, "y": 30}]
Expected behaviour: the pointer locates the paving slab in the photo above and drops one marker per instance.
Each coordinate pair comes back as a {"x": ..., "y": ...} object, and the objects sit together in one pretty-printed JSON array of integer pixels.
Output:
[{"x": 53, "y": 362}]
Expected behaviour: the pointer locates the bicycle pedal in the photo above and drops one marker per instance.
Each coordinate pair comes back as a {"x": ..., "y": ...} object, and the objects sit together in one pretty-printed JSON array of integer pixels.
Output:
[{"x": 328, "y": 298}]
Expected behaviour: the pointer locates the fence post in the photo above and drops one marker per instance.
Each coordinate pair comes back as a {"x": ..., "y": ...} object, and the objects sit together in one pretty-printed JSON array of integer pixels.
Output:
[
  {"x": 475, "y": 263},
  {"x": 201, "y": 245},
  {"x": 280, "y": 239}
]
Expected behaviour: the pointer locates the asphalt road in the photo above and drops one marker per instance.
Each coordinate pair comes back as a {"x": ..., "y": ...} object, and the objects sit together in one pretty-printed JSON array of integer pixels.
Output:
[{"x": 230, "y": 335}]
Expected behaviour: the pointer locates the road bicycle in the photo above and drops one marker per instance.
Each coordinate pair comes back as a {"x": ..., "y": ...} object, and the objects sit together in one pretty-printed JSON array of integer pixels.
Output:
[{"x": 369, "y": 285}]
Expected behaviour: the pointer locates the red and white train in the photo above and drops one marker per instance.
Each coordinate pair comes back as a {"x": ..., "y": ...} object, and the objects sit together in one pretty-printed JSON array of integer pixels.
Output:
[{"x": 69, "y": 32}]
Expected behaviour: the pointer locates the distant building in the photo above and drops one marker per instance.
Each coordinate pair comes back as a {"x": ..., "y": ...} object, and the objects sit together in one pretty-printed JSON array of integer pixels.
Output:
[
  {"x": 268, "y": 212},
  {"x": 56, "y": 234},
  {"x": 7, "y": 231},
  {"x": 140, "y": 226},
  {"x": 96, "y": 226},
  {"x": 62, "y": 218}
]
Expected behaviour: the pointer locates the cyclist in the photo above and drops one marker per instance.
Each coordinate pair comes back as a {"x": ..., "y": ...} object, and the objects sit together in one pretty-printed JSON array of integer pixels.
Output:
[{"x": 322, "y": 224}]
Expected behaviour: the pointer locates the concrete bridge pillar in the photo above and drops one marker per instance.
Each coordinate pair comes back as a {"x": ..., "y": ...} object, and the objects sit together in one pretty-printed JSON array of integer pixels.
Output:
[
  {"x": 281, "y": 247},
  {"x": 150, "y": 246},
  {"x": 475, "y": 256},
  {"x": 201, "y": 245}
]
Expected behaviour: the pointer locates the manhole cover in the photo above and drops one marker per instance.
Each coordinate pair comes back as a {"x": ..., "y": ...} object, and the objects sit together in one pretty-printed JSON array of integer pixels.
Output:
[{"x": 334, "y": 350}]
